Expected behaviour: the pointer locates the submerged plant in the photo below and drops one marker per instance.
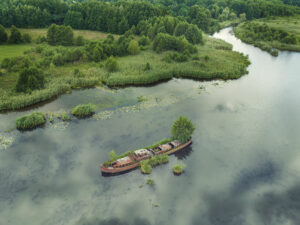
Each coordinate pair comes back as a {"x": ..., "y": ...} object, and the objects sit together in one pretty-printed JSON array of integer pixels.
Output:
[
  {"x": 30, "y": 121},
  {"x": 150, "y": 182}
]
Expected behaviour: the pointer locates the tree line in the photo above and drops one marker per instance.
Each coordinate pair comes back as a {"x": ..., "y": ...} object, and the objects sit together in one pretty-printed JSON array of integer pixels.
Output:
[{"x": 121, "y": 16}]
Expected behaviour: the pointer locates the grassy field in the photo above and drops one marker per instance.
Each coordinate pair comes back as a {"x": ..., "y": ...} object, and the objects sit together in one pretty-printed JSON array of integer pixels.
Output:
[
  {"x": 87, "y": 34},
  {"x": 7, "y": 51},
  {"x": 214, "y": 60},
  {"x": 290, "y": 25}
]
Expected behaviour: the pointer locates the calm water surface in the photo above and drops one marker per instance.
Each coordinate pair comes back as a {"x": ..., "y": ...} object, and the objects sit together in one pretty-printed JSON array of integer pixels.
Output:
[{"x": 243, "y": 167}]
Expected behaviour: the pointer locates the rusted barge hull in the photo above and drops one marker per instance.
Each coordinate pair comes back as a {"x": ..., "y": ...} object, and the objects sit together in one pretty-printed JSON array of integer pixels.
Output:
[{"x": 116, "y": 171}]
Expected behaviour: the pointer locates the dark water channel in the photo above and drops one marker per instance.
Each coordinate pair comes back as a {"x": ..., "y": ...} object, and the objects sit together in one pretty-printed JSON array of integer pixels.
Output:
[{"x": 243, "y": 167}]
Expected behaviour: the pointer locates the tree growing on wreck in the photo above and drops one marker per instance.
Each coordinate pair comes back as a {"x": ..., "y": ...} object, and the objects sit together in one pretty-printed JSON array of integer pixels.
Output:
[{"x": 182, "y": 129}]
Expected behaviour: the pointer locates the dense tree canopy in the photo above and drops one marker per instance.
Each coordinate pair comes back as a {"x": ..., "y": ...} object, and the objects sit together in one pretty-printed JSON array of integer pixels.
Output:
[
  {"x": 60, "y": 35},
  {"x": 3, "y": 35},
  {"x": 119, "y": 16}
]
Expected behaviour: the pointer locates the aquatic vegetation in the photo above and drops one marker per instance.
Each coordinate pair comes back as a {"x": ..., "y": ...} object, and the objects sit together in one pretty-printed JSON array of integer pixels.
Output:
[
  {"x": 145, "y": 167},
  {"x": 60, "y": 125},
  {"x": 30, "y": 121},
  {"x": 83, "y": 111},
  {"x": 103, "y": 115},
  {"x": 141, "y": 98},
  {"x": 182, "y": 129},
  {"x": 150, "y": 182},
  {"x": 178, "y": 169},
  {"x": 148, "y": 164},
  {"x": 65, "y": 117},
  {"x": 5, "y": 141}
]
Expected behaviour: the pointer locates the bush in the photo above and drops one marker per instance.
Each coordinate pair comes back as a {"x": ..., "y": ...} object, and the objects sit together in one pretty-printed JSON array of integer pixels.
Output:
[
  {"x": 26, "y": 38},
  {"x": 79, "y": 41},
  {"x": 60, "y": 35},
  {"x": 178, "y": 169},
  {"x": 164, "y": 42},
  {"x": 133, "y": 47},
  {"x": 31, "y": 121},
  {"x": 182, "y": 129},
  {"x": 15, "y": 36},
  {"x": 144, "y": 41},
  {"x": 147, "y": 67},
  {"x": 58, "y": 60},
  {"x": 82, "y": 111},
  {"x": 30, "y": 79},
  {"x": 112, "y": 64},
  {"x": 3, "y": 35},
  {"x": 41, "y": 39}
]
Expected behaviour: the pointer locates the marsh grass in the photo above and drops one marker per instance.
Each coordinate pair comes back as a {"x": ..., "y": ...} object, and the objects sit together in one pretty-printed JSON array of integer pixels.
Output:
[
  {"x": 83, "y": 111},
  {"x": 30, "y": 121},
  {"x": 147, "y": 165},
  {"x": 178, "y": 169}
]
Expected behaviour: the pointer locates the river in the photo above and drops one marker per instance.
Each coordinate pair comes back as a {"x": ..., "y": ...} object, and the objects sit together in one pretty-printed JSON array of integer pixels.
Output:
[{"x": 243, "y": 167}]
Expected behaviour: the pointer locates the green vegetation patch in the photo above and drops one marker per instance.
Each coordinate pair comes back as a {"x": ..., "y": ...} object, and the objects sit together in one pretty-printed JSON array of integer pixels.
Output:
[
  {"x": 178, "y": 169},
  {"x": 271, "y": 34},
  {"x": 182, "y": 129},
  {"x": 83, "y": 111},
  {"x": 148, "y": 164},
  {"x": 31, "y": 121},
  {"x": 150, "y": 182}
]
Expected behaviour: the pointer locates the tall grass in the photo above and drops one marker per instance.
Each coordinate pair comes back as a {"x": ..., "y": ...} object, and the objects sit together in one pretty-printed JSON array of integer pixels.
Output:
[
  {"x": 30, "y": 121},
  {"x": 147, "y": 165},
  {"x": 83, "y": 111}
]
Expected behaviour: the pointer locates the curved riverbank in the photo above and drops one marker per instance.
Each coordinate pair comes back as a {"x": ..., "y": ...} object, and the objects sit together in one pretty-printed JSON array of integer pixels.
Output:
[{"x": 214, "y": 60}]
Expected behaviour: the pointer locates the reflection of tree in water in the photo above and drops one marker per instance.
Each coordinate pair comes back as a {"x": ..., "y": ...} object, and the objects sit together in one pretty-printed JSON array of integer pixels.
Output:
[{"x": 182, "y": 154}]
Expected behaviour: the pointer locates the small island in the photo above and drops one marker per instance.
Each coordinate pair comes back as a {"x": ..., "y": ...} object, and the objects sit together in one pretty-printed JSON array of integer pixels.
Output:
[{"x": 154, "y": 155}]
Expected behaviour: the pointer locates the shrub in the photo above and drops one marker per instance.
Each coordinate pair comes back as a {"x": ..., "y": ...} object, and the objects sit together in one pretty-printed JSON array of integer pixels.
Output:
[
  {"x": 30, "y": 79},
  {"x": 41, "y": 39},
  {"x": 182, "y": 129},
  {"x": 133, "y": 47},
  {"x": 3, "y": 35},
  {"x": 31, "y": 121},
  {"x": 26, "y": 38},
  {"x": 58, "y": 60},
  {"x": 164, "y": 42},
  {"x": 82, "y": 111},
  {"x": 112, "y": 64},
  {"x": 144, "y": 41},
  {"x": 146, "y": 168},
  {"x": 60, "y": 35},
  {"x": 15, "y": 36},
  {"x": 147, "y": 67},
  {"x": 79, "y": 41},
  {"x": 178, "y": 169}
]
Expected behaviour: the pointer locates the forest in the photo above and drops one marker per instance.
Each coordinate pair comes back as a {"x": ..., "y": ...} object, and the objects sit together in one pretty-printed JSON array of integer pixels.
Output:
[{"x": 120, "y": 16}]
